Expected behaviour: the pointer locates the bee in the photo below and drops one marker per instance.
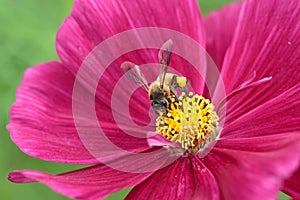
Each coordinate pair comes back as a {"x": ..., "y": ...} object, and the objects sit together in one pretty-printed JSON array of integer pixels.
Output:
[{"x": 163, "y": 89}]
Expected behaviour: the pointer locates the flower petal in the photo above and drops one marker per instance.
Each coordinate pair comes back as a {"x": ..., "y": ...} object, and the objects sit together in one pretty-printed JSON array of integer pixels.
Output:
[
  {"x": 89, "y": 183},
  {"x": 206, "y": 184},
  {"x": 92, "y": 22},
  {"x": 220, "y": 28},
  {"x": 266, "y": 42},
  {"x": 187, "y": 178},
  {"x": 292, "y": 185},
  {"x": 279, "y": 115},
  {"x": 42, "y": 122},
  {"x": 255, "y": 167},
  {"x": 175, "y": 181}
]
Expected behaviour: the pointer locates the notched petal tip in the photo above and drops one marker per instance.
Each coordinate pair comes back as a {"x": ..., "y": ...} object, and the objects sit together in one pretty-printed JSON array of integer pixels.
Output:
[{"x": 19, "y": 177}]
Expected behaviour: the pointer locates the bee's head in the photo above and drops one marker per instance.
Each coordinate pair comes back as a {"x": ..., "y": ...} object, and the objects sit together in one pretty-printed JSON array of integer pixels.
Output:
[{"x": 155, "y": 92}]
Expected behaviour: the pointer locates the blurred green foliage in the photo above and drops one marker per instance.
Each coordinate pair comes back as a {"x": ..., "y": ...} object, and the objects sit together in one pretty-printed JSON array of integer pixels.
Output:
[{"x": 27, "y": 37}]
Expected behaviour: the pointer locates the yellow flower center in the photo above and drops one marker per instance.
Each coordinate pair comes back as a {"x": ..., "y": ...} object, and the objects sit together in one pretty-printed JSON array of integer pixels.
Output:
[{"x": 191, "y": 122}]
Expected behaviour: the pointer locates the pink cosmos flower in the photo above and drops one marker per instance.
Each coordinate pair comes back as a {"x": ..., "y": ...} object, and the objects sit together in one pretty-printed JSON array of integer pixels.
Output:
[{"x": 255, "y": 45}]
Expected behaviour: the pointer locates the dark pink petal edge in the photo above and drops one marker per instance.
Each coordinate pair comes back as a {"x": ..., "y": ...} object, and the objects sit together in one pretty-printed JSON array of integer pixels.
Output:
[{"x": 292, "y": 185}]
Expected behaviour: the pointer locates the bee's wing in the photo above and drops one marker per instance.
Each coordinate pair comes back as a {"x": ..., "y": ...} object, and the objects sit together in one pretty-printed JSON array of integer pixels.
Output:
[
  {"x": 164, "y": 58},
  {"x": 134, "y": 73}
]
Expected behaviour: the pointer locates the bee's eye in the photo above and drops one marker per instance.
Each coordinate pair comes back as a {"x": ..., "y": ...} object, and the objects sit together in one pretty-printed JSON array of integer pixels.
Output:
[
  {"x": 163, "y": 102},
  {"x": 159, "y": 106},
  {"x": 160, "y": 102}
]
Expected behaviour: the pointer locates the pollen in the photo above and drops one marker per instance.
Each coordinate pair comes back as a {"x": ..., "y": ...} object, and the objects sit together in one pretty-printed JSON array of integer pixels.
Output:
[{"x": 191, "y": 121}]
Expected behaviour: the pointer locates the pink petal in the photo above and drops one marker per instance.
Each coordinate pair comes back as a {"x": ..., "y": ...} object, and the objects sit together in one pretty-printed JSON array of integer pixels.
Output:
[
  {"x": 90, "y": 183},
  {"x": 279, "y": 115},
  {"x": 292, "y": 185},
  {"x": 175, "y": 181},
  {"x": 220, "y": 28},
  {"x": 92, "y": 23},
  {"x": 253, "y": 168},
  {"x": 206, "y": 184},
  {"x": 266, "y": 41},
  {"x": 42, "y": 122},
  {"x": 188, "y": 178}
]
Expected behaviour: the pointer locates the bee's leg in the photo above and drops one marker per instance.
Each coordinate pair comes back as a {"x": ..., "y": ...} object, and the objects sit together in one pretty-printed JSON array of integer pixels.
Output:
[
  {"x": 183, "y": 89},
  {"x": 173, "y": 91},
  {"x": 174, "y": 85}
]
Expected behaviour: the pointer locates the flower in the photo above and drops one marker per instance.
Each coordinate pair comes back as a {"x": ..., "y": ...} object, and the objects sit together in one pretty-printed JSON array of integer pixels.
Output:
[{"x": 255, "y": 45}]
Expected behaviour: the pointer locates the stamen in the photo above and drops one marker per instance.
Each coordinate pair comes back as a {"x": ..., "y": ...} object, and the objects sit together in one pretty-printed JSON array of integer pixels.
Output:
[{"x": 191, "y": 121}]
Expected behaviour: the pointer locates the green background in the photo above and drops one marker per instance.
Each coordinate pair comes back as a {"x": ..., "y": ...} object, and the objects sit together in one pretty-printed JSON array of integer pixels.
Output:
[{"x": 27, "y": 37}]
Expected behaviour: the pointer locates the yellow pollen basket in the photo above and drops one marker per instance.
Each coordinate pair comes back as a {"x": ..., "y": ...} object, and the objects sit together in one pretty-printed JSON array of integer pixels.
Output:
[{"x": 191, "y": 122}]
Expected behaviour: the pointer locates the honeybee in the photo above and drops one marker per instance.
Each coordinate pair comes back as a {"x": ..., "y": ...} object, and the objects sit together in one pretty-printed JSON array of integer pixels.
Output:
[{"x": 163, "y": 89}]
